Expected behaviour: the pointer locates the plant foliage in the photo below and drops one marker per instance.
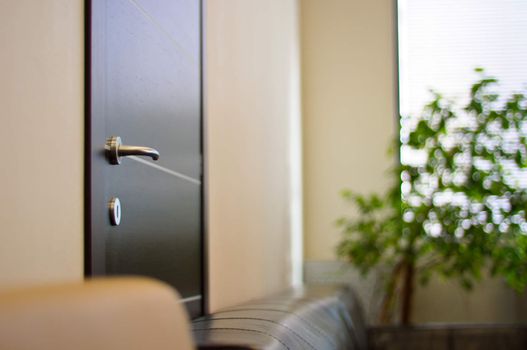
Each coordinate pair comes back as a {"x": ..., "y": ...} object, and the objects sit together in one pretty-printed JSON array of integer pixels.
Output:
[{"x": 459, "y": 210}]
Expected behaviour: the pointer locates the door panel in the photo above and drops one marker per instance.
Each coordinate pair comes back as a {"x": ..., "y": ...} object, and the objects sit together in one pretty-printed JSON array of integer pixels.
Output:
[
  {"x": 145, "y": 86},
  {"x": 157, "y": 236},
  {"x": 182, "y": 26},
  {"x": 153, "y": 85}
]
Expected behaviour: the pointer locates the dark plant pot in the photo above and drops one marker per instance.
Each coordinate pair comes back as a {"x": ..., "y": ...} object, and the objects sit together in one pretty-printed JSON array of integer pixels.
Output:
[{"x": 449, "y": 337}]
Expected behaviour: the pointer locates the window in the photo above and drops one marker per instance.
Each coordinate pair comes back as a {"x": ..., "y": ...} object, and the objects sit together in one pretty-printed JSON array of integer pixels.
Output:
[{"x": 441, "y": 42}]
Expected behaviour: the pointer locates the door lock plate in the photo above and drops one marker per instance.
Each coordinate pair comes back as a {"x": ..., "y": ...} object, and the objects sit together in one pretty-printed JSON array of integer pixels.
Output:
[{"x": 114, "y": 207}]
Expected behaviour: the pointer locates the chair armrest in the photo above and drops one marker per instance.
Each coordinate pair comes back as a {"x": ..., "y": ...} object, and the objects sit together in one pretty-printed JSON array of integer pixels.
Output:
[{"x": 100, "y": 314}]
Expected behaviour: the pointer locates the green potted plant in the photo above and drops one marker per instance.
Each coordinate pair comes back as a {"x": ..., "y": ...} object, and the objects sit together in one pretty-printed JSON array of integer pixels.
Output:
[{"x": 460, "y": 210}]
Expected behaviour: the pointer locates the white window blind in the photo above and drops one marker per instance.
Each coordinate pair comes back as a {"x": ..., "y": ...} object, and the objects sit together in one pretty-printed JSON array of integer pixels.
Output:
[{"x": 442, "y": 41}]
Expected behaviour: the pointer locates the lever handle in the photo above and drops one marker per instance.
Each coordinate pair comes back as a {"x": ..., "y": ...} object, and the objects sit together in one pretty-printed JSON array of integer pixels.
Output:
[{"x": 115, "y": 150}]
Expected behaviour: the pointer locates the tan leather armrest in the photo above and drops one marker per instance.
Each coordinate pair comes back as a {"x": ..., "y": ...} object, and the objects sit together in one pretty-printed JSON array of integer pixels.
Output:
[{"x": 112, "y": 313}]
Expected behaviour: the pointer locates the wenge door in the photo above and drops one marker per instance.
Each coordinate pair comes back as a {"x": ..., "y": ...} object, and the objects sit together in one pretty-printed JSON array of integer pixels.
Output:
[{"x": 145, "y": 87}]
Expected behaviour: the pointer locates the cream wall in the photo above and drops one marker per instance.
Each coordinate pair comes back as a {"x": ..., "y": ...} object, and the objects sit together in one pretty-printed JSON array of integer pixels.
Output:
[
  {"x": 490, "y": 302},
  {"x": 349, "y": 109},
  {"x": 252, "y": 99},
  {"x": 41, "y": 137}
]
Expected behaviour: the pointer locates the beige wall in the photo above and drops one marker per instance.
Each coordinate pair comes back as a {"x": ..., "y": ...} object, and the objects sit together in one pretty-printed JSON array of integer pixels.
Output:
[
  {"x": 490, "y": 302},
  {"x": 41, "y": 137},
  {"x": 348, "y": 74},
  {"x": 251, "y": 93}
]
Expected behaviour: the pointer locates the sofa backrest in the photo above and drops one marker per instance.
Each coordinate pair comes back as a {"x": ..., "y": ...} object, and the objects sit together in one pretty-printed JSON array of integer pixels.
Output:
[{"x": 307, "y": 317}]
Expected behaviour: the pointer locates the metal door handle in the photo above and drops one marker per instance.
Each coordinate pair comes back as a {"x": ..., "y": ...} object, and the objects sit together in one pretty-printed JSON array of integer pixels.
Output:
[{"x": 115, "y": 150}]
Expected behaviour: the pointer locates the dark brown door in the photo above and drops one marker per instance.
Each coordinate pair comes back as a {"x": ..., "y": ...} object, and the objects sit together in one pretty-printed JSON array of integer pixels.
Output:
[{"x": 145, "y": 87}]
